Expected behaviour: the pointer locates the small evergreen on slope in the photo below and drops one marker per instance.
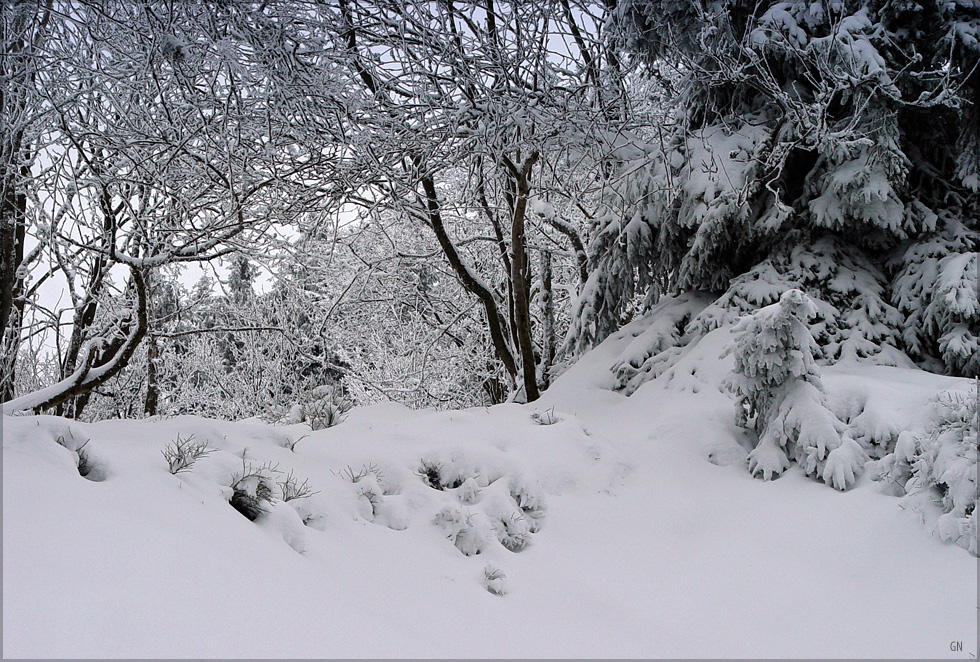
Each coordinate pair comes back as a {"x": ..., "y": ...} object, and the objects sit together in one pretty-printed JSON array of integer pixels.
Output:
[{"x": 777, "y": 385}]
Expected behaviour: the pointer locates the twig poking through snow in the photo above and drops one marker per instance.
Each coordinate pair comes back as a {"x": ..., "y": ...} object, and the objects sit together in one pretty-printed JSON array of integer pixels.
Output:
[{"x": 183, "y": 453}]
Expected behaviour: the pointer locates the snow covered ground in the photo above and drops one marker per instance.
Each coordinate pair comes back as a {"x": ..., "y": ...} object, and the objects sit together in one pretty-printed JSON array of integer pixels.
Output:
[{"x": 614, "y": 527}]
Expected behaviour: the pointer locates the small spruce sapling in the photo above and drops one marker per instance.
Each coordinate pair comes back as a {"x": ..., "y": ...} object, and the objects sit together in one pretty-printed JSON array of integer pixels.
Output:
[
  {"x": 470, "y": 532},
  {"x": 366, "y": 469},
  {"x": 944, "y": 464},
  {"x": 546, "y": 417},
  {"x": 328, "y": 407},
  {"x": 290, "y": 442},
  {"x": 494, "y": 579},
  {"x": 84, "y": 462},
  {"x": 431, "y": 473},
  {"x": 85, "y": 465},
  {"x": 778, "y": 391}
]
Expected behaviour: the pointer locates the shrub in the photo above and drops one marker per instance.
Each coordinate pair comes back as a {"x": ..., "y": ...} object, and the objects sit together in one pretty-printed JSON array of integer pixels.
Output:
[
  {"x": 84, "y": 463},
  {"x": 430, "y": 472},
  {"x": 944, "y": 464},
  {"x": 366, "y": 469},
  {"x": 181, "y": 454},
  {"x": 530, "y": 500},
  {"x": 292, "y": 489},
  {"x": 290, "y": 443},
  {"x": 326, "y": 408},
  {"x": 546, "y": 417},
  {"x": 471, "y": 533},
  {"x": 254, "y": 489},
  {"x": 493, "y": 579},
  {"x": 514, "y": 533}
]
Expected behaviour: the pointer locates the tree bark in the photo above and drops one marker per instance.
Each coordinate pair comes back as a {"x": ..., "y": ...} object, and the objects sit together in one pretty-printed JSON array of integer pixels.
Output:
[
  {"x": 13, "y": 230},
  {"x": 581, "y": 256},
  {"x": 472, "y": 284},
  {"x": 548, "y": 315},
  {"x": 519, "y": 274},
  {"x": 152, "y": 385},
  {"x": 23, "y": 29}
]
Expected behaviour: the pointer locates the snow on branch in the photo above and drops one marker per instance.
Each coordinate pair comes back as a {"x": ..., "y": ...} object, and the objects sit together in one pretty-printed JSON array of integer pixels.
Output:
[{"x": 111, "y": 354}]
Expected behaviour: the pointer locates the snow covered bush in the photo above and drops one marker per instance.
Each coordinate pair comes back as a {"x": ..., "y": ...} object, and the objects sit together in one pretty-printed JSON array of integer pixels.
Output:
[
  {"x": 954, "y": 314},
  {"x": 373, "y": 496},
  {"x": 943, "y": 464},
  {"x": 85, "y": 466},
  {"x": 292, "y": 489},
  {"x": 894, "y": 469},
  {"x": 183, "y": 452},
  {"x": 82, "y": 460},
  {"x": 450, "y": 475},
  {"x": 777, "y": 385},
  {"x": 546, "y": 417},
  {"x": 357, "y": 475},
  {"x": 487, "y": 502},
  {"x": 656, "y": 348},
  {"x": 430, "y": 472},
  {"x": 469, "y": 531},
  {"x": 325, "y": 408},
  {"x": 493, "y": 579},
  {"x": 254, "y": 489},
  {"x": 530, "y": 499},
  {"x": 852, "y": 317}
]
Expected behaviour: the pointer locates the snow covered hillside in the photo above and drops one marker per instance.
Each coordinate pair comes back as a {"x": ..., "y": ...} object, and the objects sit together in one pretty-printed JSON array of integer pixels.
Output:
[{"x": 589, "y": 524}]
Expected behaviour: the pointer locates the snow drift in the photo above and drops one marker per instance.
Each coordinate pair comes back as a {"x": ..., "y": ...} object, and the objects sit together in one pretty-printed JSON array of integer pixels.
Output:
[{"x": 587, "y": 524}]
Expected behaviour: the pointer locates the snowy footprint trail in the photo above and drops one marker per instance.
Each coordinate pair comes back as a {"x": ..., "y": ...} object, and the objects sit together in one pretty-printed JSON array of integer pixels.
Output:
[{"x": 612, "y": 526}]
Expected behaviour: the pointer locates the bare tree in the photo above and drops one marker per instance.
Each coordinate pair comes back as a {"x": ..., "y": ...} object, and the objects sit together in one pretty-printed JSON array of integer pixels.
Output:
[
  {"x": 508, "y": 93},
  {"x": 168, "y": 144},
  {"x": 25, "y": 29},
  {"x": 178, "y": 132}
]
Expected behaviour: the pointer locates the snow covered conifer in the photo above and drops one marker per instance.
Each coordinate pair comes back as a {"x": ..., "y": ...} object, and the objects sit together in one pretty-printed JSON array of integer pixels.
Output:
[
  {"x": 795, "y": 132},
  {"x": 936, "y": 289},
  {"x": 944, "y": 464},
  {"x": 773, "y": 346},
  {"x": 777, "y": 385}
]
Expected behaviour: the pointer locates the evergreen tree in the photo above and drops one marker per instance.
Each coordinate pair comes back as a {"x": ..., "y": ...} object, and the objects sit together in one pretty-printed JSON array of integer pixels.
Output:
[
  {"x": 777, "y": 385},
  {"x": 836, "y": 143},
  {"x": 241, "y": 279}
]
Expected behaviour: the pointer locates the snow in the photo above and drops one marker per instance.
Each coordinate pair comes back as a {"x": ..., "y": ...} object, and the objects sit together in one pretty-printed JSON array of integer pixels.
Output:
[{"x": 638, "y": 528}]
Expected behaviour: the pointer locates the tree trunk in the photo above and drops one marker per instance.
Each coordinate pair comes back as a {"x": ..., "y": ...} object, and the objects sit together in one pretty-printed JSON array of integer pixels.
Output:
[
  {"x": 152, "y": 384},
  {"x": 470, "y": 282},
  {"x": 581, "y": 256},
  {"x": 548, "y": 315},
  {"x": 13, "y": 210},
  {"x": 519, "y": 276},
  {"x": 24, "y": 27},
  {"x": 498, "y": 232}
]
